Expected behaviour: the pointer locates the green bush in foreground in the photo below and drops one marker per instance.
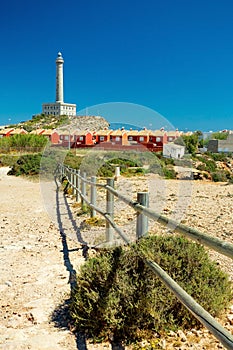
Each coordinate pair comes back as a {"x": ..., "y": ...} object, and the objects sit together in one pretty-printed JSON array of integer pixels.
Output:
[
  {"x": 28, "y": 164},
  {"x": 117, "y": 295}
]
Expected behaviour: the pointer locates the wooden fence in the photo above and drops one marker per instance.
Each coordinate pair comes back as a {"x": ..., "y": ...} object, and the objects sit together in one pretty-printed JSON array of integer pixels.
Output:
[{"x": 79, "y": 182}]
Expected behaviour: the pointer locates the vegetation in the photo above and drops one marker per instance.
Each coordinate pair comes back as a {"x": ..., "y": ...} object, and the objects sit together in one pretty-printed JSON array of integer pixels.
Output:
[
  {"x": 8, "y": 160},
  {"x": 128, "y": 300},
  {"x": 26, "y": 165},
  {"x": 191, "y": 142},
  {"x": 22, "y": 143},
  {"x": 34, "y": 164},
  {"x": 209, "y": 162},
  {"x": 219, "y": 135},
  {"x": 45, "y": 121}
]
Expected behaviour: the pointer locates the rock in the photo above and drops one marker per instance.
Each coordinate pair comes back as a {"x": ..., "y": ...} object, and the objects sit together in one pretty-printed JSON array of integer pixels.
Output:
[
  {"x": 181, "y": 335},
  {"x": 230, "y": 318},
  {"x": 8, "y": 283}
]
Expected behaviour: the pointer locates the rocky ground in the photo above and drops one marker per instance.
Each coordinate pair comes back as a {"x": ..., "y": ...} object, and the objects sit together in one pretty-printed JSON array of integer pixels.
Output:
[{"x": 38, "y": 263}]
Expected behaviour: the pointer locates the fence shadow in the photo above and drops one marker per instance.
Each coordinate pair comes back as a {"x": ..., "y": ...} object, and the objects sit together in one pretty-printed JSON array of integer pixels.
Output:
[{"x": 61, "y": 316}]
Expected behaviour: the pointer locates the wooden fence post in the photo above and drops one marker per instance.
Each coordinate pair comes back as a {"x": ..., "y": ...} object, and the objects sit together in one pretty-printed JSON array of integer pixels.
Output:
[
  {"x": 109, "y": 210},
  {"x": 72, "y": 180},
  {"x": 93, "y": 195},
  {"x": 75, "y": 183},
  {"x": 61, "y": 171},
  {"x": 84, "y": 191},
  {"x": 78, "y": 185},
  {"x": 142, "y": 220}
]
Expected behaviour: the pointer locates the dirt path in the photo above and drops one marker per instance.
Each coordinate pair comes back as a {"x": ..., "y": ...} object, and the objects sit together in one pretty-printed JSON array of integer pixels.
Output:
[{"x": 34, "y": 277}]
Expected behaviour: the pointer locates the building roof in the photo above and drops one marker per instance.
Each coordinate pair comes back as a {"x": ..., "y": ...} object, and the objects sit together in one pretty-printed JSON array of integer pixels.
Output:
[
  {"x": 49, "y": 132},
  {"x": 174, "y": 133},
  {"x": 6, "y": 131},
  {"x": 157, "y": 133},
  {"x": 132, "y": 132},
  {"x": 118, "y": 132},
  {"x": 64, "y": 132},
  {"x": 19, "y": 131},
  {"x": 37, "y": 131},
  {"x": 144, "y": 132},
  {"x": 103, "y": 132},
  {"x": 81, "y": 132},
  {"x": 173, "y": 145}
]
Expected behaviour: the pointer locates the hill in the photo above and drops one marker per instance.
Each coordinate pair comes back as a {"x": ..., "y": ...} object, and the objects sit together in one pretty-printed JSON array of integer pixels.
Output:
[{"x": 42, "y": 121}]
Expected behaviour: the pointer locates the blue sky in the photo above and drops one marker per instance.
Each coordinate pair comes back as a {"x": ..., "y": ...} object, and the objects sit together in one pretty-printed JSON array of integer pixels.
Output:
[{"x": 172, "y": 56}]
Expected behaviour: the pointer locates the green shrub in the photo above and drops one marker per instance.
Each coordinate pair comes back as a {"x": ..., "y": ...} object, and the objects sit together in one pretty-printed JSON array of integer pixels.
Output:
[
  {"x": 117, "y": 295},
  {"x": 218, "y": 157},
  {"x": 201, "y": 167},
  {"x": 8, "y": 159},
  {"x": 23, "y": 142},
  {"x": 106, "y": 170},
  {"x": 220, "y": 176},
  {"x": 210, "y": 165},
  {"x": 168, "y": 161},
  {"x": 72, "y": 160},
  {"x": 28, "y": 164},
  {"x": 169, "y": 172}
]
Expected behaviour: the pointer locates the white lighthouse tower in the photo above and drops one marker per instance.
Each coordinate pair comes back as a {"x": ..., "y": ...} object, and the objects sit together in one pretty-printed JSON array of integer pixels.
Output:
[
  {"x": 59, "y": 78},
  {"x": 59, "y": 107}
]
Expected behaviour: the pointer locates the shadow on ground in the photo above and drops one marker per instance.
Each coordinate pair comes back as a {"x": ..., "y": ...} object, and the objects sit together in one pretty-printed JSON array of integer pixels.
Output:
[{"x": 61, "y": 316}]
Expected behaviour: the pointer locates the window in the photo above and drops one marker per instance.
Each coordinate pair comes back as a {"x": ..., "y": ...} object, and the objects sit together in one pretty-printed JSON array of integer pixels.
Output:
[
  {"x": 141, "y": 138},
  {"x": 101, "y": 138},
  {"x": 170, "y": 138},
  {"x": 66, "y": 137},
  {"x": 158, "y": 139},
  {"x": 130, "y": 138},
  {"x": 80, "y": 138},
  {"x": 118, "y": 138}
]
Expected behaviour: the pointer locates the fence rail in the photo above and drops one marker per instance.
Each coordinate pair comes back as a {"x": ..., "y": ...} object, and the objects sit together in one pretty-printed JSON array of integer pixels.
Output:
[{"x": 78, "y": 184}]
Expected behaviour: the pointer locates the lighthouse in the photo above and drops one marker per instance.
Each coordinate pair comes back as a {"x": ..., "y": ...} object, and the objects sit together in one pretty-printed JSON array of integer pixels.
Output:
[
  {"x": 59, "y": 78},
  {"x": 59, "y": 107}
]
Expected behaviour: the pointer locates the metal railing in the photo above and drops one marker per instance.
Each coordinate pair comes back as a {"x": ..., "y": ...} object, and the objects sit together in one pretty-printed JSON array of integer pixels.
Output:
[{"x": 78, "y": 183}]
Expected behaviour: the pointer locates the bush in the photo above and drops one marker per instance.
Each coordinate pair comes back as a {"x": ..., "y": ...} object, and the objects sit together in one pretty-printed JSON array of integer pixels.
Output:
[
  {"x": 25, "y": 142},
  {"x": 220, "y": 176},
  {"x": 118, "y": 296},
  {"x": 26, "y": 165},
  {"x": 201, "y": 167},
  {"x": 169, "y": 173},
  {"x": 72, "y": 160},
  {"x": 8, "y": 160}
]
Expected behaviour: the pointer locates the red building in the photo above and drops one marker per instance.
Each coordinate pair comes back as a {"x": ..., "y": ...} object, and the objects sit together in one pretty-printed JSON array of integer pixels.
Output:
[
  {"x": 172, "y": 135},
  {"x": 132, "y": 137},
  {"x": 119, "y": 137},
  {"x": 102, "y": 136},
  {"x": 158, "y": 137},
  {"x": 82, "y": 138},
  {"x": 51, "y": 135},
  {"x": 65, "y": 138},
  {"x": 143, "y": 136}
]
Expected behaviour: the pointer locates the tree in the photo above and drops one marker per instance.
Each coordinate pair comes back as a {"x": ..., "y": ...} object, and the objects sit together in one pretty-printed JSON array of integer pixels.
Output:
[{"x": 191, "y": 142}]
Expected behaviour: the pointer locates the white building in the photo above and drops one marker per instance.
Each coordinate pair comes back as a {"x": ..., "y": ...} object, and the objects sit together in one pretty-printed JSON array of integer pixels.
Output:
[
  {"x": 171, "y": 150},
  {"x": 59, "y": 107}
]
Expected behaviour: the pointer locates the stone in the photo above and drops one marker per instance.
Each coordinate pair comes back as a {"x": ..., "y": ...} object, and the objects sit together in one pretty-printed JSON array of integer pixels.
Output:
[{"x": 181, "y": 335}]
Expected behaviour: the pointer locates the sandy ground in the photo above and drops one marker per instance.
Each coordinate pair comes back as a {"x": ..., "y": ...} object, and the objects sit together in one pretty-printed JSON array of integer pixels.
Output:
[
  {"x": 38, "y": 264},
  {"x": 34, "y": 278}
]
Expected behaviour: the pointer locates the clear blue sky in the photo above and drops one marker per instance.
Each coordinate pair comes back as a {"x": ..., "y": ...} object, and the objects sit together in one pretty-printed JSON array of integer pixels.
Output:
[{"x": 173, "y": 56}]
